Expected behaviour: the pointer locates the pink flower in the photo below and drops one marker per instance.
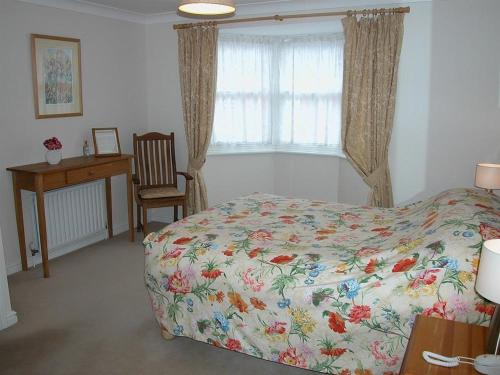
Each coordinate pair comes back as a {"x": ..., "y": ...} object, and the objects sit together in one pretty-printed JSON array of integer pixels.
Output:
[
  {"x": 359, "y": 313},
  {"x": 438, "y": 310},
  {"x": 306, "y": 350},
  {"x": 277, "y": 328},
  {"x": 157, "y": 308},
  {"x": 286, "y": 219},
  {"x": 268, "y": 205},
  {"x": 347, "y": 216},
  {"x": 174, "y": 253},
  {"x": 367, "y": 251},
  {"x": 292, "y": 358},
  {"x": 379, "y": 355},
  {"x": 52, "y": 144},
  {"x": 488, "y": 232},
  {"x": 233, "y": 344},
  {"x": 460, "y": 306},
  {"x": 261, "y": 235},
  {"x": 178, "y": 283},
  {"x": 254, "y": 283},
  {"x": 427, "y": 277}
]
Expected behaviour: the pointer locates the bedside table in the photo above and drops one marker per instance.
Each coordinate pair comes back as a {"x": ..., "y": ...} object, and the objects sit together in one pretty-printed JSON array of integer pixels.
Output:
[{"x": 444, "y": 337}]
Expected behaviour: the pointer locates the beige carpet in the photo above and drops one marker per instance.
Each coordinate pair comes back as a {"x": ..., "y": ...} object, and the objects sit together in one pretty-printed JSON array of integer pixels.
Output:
[{"x": 93, "y": 317}]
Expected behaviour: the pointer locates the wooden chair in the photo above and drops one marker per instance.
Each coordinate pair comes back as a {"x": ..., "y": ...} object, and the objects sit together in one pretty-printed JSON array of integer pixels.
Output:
[{"x": 155, "y": 178}]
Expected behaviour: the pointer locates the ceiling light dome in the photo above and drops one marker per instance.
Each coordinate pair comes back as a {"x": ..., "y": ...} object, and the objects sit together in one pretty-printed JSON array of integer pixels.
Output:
[{"x": 207, "y": 7}]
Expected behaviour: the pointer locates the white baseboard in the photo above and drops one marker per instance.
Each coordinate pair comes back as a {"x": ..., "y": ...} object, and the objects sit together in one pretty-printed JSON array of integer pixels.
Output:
[
  {"x": 96, "y": 237},
  {"x": 120, "y": 228},
  {"x": 14, "y": 268},
  {"x": 10, "y": 319}
]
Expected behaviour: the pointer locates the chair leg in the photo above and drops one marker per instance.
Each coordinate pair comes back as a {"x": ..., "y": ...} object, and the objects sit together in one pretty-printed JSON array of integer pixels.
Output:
[
  {"x": 144, "y": 221},
  {"x": 176, "y": 213},
  {"x": 139, "y": 225},
  {"x": 184, "y": 210}
]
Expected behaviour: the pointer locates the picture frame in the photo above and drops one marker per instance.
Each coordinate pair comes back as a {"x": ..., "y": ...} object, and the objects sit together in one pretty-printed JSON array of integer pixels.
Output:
[
  {"x": 57, "y": 76},
  {"x": 106, "y": 142}
]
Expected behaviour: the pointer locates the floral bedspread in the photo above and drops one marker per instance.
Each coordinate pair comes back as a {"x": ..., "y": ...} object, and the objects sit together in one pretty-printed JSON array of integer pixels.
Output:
[{"x": 323, "y": 286}]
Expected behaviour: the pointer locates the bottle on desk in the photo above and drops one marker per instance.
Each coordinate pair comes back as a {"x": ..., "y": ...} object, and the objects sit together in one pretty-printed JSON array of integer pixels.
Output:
[{"x": 86, "y": 148}]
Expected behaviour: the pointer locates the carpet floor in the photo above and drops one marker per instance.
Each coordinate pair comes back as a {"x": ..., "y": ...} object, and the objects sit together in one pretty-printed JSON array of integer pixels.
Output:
[{"x": 93, "y": 317}]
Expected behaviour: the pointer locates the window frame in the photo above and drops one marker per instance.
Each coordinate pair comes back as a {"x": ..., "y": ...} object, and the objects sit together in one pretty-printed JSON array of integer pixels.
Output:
[{"x": 220, "y": 148}]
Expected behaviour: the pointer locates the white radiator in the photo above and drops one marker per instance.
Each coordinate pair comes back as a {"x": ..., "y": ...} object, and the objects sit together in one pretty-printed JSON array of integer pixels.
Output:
[{"x": 75, "y": 216}]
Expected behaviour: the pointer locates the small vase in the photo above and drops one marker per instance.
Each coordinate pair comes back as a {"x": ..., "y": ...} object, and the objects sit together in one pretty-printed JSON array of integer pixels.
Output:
[{"x": 53, "y": 156}]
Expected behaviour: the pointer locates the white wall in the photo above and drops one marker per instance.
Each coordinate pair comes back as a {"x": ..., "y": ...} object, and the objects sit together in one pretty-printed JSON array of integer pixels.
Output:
[
  {"x": 352, "y": 188},
  {"x": 408, "y": 147},
  {"x": 307, "y": 176},
  {"x": 164, "y": 109},
  {"x": 464, "y": 126},
  {"x": 114, "y": 94},
  {"x": 229, "y": 177},
  {"x": 292, "y": 175}
]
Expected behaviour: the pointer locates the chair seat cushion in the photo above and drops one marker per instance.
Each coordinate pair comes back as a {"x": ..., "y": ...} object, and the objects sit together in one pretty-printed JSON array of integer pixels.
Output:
[{"x": 161, "y": 192}]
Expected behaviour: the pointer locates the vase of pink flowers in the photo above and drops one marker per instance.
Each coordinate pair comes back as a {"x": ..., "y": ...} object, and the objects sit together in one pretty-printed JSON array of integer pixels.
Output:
[{"x": 54, "y": 150}]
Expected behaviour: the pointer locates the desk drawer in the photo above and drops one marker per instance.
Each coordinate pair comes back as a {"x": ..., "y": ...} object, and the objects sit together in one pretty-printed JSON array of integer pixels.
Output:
[
  {"x": 54, "y": 181},
  {"x": 96, "y": 172}
]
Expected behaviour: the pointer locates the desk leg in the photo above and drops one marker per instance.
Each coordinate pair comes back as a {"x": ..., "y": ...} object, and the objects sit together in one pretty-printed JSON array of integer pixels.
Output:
[
  {"x": 109, "y": 207},
  {"x": 130, "y": 203},
  {"x": 42, "y": 226},
  {"x": 18, "y": 204}
]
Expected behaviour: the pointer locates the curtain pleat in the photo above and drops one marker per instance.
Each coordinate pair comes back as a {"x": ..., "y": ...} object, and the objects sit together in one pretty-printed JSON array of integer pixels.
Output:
[{"x": 198, "y": 78}]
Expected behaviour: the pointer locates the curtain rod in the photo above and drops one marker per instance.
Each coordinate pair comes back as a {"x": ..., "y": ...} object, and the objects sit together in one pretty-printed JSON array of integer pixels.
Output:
[{"x": 364, "y": 12}]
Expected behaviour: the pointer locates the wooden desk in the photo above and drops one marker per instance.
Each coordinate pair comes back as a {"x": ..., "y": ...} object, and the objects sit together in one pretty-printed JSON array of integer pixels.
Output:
[
  {"x": 42, "y": 177},
  {"x": 444, "y": 337}
]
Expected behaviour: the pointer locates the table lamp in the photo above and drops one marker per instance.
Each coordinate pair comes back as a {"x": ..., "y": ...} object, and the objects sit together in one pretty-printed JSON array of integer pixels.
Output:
[
  {"x": 488, "y": 176},
  {"x": 487, "y": 285}
]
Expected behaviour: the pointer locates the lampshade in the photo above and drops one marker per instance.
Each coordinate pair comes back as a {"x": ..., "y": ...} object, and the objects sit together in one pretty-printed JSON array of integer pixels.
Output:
[
  {"x": 207, "y": 7},
  {"x": 488, "y": 176},
  {"x": 488, "y": 274}
]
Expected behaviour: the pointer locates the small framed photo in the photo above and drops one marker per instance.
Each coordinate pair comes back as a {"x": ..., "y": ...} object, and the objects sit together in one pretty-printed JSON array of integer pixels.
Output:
[
  {"x": 106, "y": 142},
  {"x": 57, "y": 76}
]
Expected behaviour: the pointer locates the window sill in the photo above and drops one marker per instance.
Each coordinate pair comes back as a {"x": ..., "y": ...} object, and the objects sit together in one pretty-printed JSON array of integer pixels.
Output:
[{"x": 263, "y": 152}]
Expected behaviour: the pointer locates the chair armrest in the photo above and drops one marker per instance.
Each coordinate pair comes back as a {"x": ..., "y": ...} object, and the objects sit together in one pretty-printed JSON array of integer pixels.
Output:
[
  {"x": 135, "y": 179},
  {"x": 187, "y": 176}
]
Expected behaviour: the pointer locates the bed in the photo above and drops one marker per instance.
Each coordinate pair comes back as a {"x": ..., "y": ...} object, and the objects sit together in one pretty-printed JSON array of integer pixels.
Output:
[{"x": 328, "y": 287}]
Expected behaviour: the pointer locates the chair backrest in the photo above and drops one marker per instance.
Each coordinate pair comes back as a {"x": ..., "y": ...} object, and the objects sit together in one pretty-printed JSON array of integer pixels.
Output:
[{"x": 154, "y": 158}]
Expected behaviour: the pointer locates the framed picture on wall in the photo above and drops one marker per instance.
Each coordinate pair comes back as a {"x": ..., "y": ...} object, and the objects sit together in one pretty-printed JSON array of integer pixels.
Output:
[
  {"x": 106, "y": 142},
  {"x": 57, "y": 76}
]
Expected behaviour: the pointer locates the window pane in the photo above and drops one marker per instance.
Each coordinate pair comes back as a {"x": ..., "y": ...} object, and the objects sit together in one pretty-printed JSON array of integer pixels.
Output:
[
  {"x": 310, "y": 90},
  {"x": 242, "y": 109},
  {"x": 279, "y": 91}
]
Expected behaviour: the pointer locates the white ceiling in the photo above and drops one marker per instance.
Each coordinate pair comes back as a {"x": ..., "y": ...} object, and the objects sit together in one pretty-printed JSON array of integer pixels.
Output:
[
  {"x": 165, "y": 11},
  {"x": 150, "y": 7}
]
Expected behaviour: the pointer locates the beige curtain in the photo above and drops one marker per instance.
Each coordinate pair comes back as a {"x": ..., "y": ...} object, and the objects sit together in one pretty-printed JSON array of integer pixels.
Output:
[
  {"x": 198, "y": 76},
  {"x": 371, "y": 59}
]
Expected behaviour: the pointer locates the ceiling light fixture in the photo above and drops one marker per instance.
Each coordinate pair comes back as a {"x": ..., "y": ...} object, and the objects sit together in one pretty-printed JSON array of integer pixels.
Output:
[{"x": 207, "y": 7}]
